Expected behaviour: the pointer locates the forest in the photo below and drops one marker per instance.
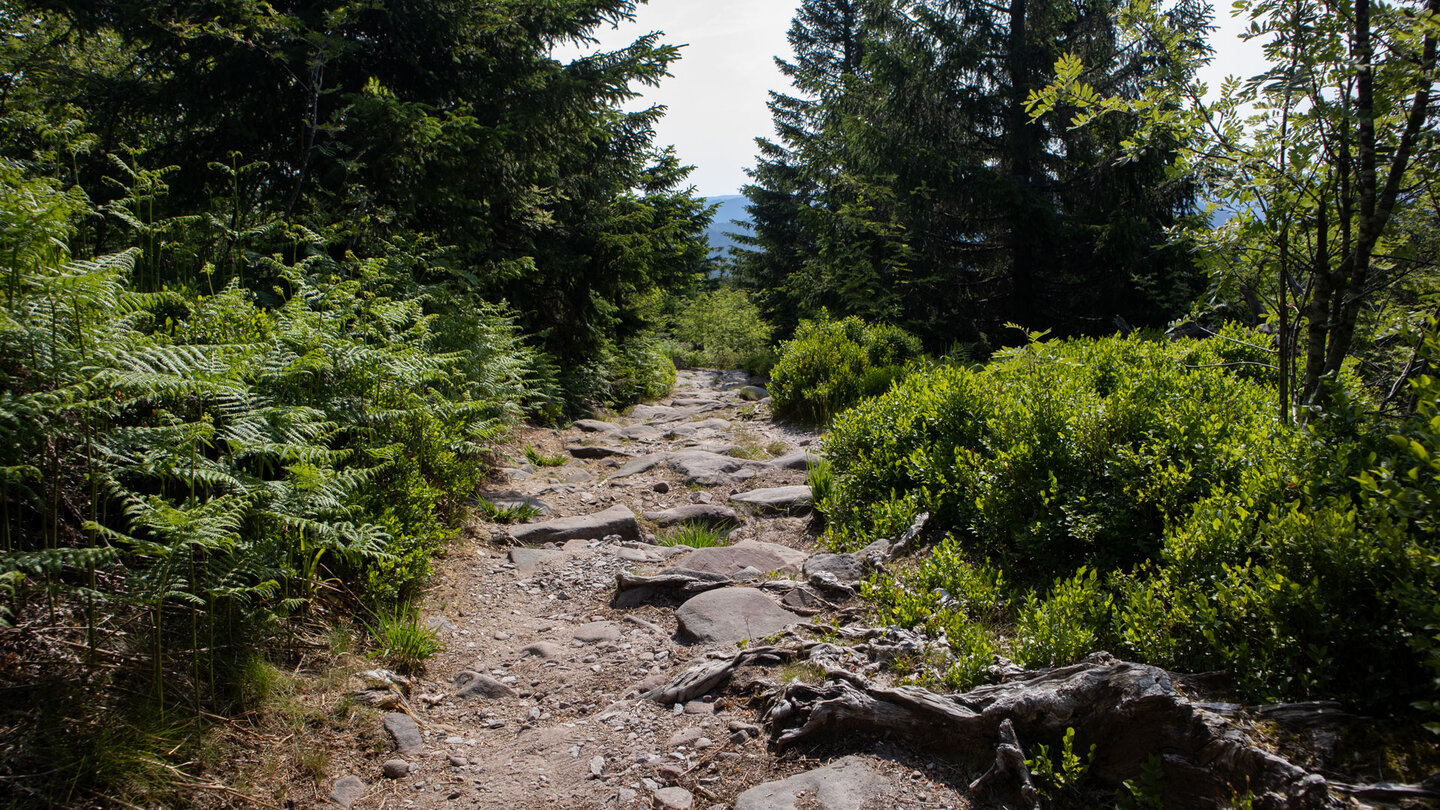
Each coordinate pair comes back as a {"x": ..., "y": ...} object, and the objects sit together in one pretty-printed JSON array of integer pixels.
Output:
[{"x": 1151, "y": 362}]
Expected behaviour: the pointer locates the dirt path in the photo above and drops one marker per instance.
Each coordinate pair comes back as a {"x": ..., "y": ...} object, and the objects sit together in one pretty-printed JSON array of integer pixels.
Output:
[{"x": 536, "y": 700}]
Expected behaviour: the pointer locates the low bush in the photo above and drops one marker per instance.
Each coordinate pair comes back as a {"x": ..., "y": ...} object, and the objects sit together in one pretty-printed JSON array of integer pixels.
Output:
[
  {"x": 1144, "y": 498},
  {"x": 832, "y": 364},
  {"x": 718, "y": 329}
]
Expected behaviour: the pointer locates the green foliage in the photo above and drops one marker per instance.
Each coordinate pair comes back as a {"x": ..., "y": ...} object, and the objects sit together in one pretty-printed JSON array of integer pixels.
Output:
[
  {"x": 537, "y": 457},
  {"x": 519, "y": 513},
  {"x": 1146, "y": 793},
  {"x": 402, "y": 642},
  {"x": 1142, "y": 497},
  {"x": 228, "y": 462},
  {"x": 832, "y": 364},
  {"x": 638, "y": 371},
  {"x": 908, "y": 183},
  {"x": 1060, "y": 776},
  {"x": 695, "y": 535},
  {"x": 718, "y": 329}
]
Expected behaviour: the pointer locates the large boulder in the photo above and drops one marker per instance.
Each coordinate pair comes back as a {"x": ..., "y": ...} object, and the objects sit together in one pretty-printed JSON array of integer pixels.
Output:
[
  {"x": 730, "y": 560},
  {"x": 728, "y": 615},
  {"x": 617, "y": 520}
]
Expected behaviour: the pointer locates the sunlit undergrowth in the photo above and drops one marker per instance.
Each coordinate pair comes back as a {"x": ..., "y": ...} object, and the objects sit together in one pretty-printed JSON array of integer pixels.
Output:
[
  {"x": 1144, "y": 498},
  {"x": 183, "y": 474}
]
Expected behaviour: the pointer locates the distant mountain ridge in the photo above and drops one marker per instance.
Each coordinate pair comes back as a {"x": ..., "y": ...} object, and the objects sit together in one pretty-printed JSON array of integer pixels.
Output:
[{"x": 732, "y": 207}]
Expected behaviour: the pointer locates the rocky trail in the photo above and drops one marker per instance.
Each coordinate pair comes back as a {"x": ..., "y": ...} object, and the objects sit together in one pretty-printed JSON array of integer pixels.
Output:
[
  {"x": 586, "y": 665},
  {"x": 538, "y": 698}
]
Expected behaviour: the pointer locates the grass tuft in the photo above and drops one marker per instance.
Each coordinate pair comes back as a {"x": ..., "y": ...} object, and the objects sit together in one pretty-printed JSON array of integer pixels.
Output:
[
  {"x": 695, "y": 536},
  {"x": 523, "y": 513},
  {"x": 404, "y": 644},
  {"x": 539, "y": 459}
]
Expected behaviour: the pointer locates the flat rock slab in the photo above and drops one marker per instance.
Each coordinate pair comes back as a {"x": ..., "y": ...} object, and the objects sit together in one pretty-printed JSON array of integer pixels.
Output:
[
  {"x": 777, "y": 501},
  {"x": 596, "y": 451},
  {"x": 640, "y": 433},
  {"x": 711, "y": 469},
  {"x": 674, "y": 798},
  {"x": 617, "y": 520},
  {"x": 692, "y": 429},
  {"x": 347, "y": 791},
  {"x": 404, "y": 733},
  {"x": 598, "y": 632},
  {"x": 730, "y": 560},
  {"x": 696, "y": 467},
  {"x": 640, "y": 465},
  {"x": 597, "y": 426},
  {"x": 649, "y": 555},
  {"x": 846, "y": 568},
  {"x": 528, "y": 560},
  {"x": 701, "y": 514},
  {"x": 796, "y": 461},
  {"x": 658, "y": 414},
  {"x": 728, "y": 615},
  {"x": 845, "y": 784}
]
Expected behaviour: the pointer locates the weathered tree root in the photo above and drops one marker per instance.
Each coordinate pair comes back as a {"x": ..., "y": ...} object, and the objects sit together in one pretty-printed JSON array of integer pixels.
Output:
[
  {"x": 1128, "y": 711},
  {"x": 1008, "y": 781},
  {"x": 704, "y": 678}
]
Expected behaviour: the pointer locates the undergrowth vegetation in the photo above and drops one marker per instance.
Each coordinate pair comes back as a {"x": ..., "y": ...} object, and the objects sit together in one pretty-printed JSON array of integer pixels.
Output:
[
  {"x": 1142, "y": 497},
  {"x": 717, "y": 329},
  {"x": 211, "y": 464},
  {"x": 832, "y": 364}
]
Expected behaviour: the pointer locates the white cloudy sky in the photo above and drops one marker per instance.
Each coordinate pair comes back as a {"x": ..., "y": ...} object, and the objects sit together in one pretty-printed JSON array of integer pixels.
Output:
[{"x": 717, "y": 96}]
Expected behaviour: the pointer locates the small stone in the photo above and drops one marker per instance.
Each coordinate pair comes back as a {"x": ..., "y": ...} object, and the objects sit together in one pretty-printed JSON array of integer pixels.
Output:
[
  {"x": 685, "y": 736},
  {"x": 704, "y": 743},
  {"x": 598, "y": 632},
  {"x": 457, "y": 761},
  {"x": 544, "y": 650},
  {"x": 396, "y": 769},
  {"x": 597, "y": 766},
  {"x": 404, "y": 733},
  {"x": 347, "y": 791},
  {"x": 699, "y": 707},
  {"x": 470, "y": 684},
  {"x": 661, "y": 487},
  {"x": 674, "y": 798},
  {"x": 626, "y": 797}
]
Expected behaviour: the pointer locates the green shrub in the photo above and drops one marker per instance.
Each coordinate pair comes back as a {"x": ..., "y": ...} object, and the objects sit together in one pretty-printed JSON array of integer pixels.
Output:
[
  {"x": 718, "y": 329},
  {"x": 637, "y": 371},
  {"x": 1145, "y": 498},
  {"x": 830, "y": 365}
]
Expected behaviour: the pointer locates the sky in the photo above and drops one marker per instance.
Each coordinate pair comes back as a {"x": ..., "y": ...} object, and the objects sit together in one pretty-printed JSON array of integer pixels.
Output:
[{"x": 717, "y": 95}]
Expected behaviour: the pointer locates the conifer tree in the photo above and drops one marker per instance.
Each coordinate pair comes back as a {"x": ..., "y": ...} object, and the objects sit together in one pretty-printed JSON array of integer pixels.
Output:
[{"x": 934, "y": 200}]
